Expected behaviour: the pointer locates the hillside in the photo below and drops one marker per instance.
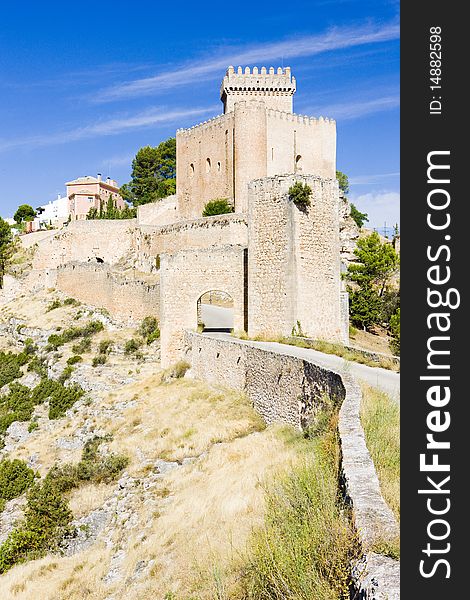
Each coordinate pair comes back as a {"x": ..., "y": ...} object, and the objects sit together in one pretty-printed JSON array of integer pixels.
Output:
[{"x": 182, "y": 508}]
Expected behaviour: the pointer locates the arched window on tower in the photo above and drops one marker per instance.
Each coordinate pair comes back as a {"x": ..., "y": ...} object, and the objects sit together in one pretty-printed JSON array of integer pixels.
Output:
[
  {"x": 191, "y": 169},
  {"x": 298, "y": 164},
  {"x": 208, "y": 165}
]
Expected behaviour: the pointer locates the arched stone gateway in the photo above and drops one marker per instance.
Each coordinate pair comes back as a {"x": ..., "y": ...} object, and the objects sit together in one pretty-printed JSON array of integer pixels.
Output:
[
  {"x": 215, "y": 311},
  {"x": 197, "y": 282}
]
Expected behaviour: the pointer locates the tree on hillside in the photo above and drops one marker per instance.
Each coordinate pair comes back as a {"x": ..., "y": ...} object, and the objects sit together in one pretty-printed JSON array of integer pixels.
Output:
[
  {"x": 376, "y": 262},
  {"x": 153, "y": 174},
  {"x": 372, "y": 299},
  {"x": 343, "y": 182},
  {"x": 25, "y": 212},
  {"x": 395, "y": 331},
  {"x": 359, "y": 217},
  {"x": 6, "y": 247}
]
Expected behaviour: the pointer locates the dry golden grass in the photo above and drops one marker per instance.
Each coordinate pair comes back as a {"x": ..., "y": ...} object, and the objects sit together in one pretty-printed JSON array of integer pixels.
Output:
[
  {"x": 180, "y": 419},
  {"x": 89, "y": 497},
  {"x": 380, "y": 416},
  {"x": 196, "y": 527},
  {"x": 194, "y": 524}
]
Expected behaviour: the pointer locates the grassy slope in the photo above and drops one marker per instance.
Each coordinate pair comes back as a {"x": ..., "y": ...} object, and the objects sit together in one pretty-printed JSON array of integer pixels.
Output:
[{"x": 381, "y": 422}]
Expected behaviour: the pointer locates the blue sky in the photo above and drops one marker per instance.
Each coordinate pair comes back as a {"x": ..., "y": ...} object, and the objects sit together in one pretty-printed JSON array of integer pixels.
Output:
[{"x": 85, "y": 85}]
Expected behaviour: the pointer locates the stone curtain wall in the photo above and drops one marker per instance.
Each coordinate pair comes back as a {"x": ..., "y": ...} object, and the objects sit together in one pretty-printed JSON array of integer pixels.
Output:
[
  {"x": 220, "y": 230},
  {"x": 282, "y": 388},
  {"x": 86, "y": 240},
  {"x": 184, "y": 278},
  {"x": 95, "y": 284},
  {"x": 293, "y": 259},
  {"x": 290, "y": 135},
  {"x": 157, "y": 213},
  {"x": 201, "y": 182}
]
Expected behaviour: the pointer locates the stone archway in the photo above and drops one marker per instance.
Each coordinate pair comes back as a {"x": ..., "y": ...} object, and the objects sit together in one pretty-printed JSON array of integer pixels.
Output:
[{"x": 215, "y": 311}]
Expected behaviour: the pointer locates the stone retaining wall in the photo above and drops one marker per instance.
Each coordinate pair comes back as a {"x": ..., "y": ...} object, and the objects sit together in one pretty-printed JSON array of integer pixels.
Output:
[
  {"x": 291, "y": 390},
  {"x": 98, "y": 285}
]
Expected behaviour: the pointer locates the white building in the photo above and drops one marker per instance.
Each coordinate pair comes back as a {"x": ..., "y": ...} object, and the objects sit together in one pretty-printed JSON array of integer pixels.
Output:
[{"x": 55, "y": 213}]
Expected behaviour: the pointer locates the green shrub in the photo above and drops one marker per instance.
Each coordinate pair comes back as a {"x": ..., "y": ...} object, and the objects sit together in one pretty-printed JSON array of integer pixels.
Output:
[
  {"x": 15, "y": 478},
  {"x": 395, "y": 331},
  {"x": 46, "y": 518},
  {"x": 99, "y": 359},
  {"x": 300, "y": 194},
  {"x": 297, "y": 330},
  {"x": 55, "y": 340},
  {"x": 47, "y": 515},
  {"x": 33, "y": 426},
  {"x": 73, "y": 360},
  {"x": 91, "y": 468},
  {"x": 66, "y": 374},
  {"x": 219, "y": 206},
  {"x": 53, "y": 305},
  {"x": 82, "y": 346},
  {"x": 17, "y": 405},
  {"x": 132, "y": 346},
  {"x": 37, "y": 364},
  {"x": 105, "y": 346},
  {"x": 71, "y": 302},
  {"x": 153, "y": 336},
  {"x": 149, "y": 329},
  {"x": 63, "y": 398},
  {"x": 10, "y": 366}
]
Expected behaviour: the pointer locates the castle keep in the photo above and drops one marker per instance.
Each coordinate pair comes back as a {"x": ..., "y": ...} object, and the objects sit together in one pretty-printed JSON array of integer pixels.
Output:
[
  {"x": 279, "y": 264},
  {"x": 257, "y": 136}
]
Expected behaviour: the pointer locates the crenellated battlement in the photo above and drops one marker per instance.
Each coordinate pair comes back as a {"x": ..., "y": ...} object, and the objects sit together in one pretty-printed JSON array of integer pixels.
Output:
[
  {"x": 295, "y": 118},
  {"x": 213, "y": 122},
  {"x": 276, "y": 85}
]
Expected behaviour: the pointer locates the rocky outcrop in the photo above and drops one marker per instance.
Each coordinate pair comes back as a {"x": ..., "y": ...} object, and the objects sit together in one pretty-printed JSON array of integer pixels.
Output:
[{"x": 348, "y": 232}]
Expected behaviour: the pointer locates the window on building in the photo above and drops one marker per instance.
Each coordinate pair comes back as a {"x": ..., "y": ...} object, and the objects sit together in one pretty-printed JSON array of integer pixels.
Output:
[
  {"x": 218, "y": 166},
  {"x": 191, "y": 169},
  {"x": 298, "y": 163},
  {"x": 208, "y": 165}
]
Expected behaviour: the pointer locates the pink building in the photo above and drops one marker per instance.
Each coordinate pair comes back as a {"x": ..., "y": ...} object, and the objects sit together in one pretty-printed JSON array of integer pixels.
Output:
[{"x": 91, "y": 192}]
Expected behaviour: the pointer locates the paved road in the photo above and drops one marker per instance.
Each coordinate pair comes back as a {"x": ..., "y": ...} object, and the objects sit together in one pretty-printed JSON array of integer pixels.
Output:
[
  {"x": 216, "y": 317},
  {"x": 383, "y": 379}
]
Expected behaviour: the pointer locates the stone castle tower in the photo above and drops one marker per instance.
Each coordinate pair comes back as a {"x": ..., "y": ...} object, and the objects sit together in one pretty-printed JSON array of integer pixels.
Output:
[
  {"x": 275, "y": 88},
  {"x": 257, "y": 136}
]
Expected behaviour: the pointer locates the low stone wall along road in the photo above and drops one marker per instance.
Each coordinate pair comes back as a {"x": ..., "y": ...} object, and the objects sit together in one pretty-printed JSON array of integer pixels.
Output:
[{"x": 383, "y": 379}]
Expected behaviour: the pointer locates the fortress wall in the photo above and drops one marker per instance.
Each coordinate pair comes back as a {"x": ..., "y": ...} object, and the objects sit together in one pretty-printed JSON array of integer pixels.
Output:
[
  {"x": 220, "y": 230},
  {"x": 198, "y": 184},
  {"x": 85, "y": 240},
  {"x": 157, "y": 213},
  {"x": 184, "y": 277},
  {"x": 95, "y": 284},
  {"x": 282, "y": 388},
  {"x": 290, "y": 135},
  {"x": 293, "y": 259}
]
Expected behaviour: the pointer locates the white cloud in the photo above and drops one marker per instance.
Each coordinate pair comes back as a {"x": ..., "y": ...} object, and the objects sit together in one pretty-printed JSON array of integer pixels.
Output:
[
  {"x": 372, "y": 179},
  {"x": 147, "y": 118},
  {"x": 356, "y": 108},
  {"x": 382, "y": 207},
  {"x": 334, "y": 39}
]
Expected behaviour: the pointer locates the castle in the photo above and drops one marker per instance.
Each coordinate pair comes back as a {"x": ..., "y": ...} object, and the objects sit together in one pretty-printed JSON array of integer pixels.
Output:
[
  {"x": 279, "y": 264},
  {"x": 257, "y": 136}
]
